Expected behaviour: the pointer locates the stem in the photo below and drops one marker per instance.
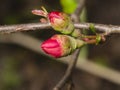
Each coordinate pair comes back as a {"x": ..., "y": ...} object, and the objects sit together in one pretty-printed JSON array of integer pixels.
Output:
[
  {"x": 23, "y": 27},
  {"x": 69, "y": 70},
  {"x": 108, "y": 29}
]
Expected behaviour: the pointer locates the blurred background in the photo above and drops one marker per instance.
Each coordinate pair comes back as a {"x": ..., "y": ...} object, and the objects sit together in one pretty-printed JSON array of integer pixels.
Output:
[{"x": 24, "y": 69}]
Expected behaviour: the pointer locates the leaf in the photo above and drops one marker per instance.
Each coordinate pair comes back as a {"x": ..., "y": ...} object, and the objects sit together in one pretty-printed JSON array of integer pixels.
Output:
[
  {"x": 68, "y": 6},
  {"x": 92, "y": 28},
  {"x": 98, "y": 39},
  {"x": 83, "y": 15}
]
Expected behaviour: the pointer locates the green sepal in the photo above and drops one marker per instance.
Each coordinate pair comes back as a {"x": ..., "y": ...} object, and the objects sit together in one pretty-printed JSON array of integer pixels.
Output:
[
  {"x": 76, "y": 33},
  {"x": 98, "y": 39},
  {"x": 92, "y": 28}
]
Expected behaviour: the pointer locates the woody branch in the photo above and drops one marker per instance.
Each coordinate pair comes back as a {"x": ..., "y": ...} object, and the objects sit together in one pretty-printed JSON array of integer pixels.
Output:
[{"x": 108, "y": 29}]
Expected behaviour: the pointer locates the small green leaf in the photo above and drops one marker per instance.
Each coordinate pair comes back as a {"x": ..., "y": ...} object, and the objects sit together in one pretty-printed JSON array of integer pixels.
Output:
[
  {"x": 83, "y": 15},
  {"x": 68, "y": 6},
  {"x": 92, "y": 28},
  {"x": 98, "y": 39}
]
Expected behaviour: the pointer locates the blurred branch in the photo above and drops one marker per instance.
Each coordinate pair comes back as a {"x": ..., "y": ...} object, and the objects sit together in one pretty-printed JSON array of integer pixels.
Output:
[
  {"x": 97, "y": 70},
  {"x": 85, "y": 65},
  {"x": 100, "y": 71},
  {"x": 108, "y": 29},
  {"x": 80, "y": 7},
  {"x": 75, "y": 16}
]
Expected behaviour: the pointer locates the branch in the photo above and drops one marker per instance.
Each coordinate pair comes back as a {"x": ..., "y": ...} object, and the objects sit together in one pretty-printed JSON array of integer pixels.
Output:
[
  {"x": 76, "y": 14},
  {"x": 23, "y": 27},
  {"x": 68, "y": 72},
  {"x": 108, "y": 29},
  {"x": 79, "y": 7},
  {"x": 97, "y": 70}
]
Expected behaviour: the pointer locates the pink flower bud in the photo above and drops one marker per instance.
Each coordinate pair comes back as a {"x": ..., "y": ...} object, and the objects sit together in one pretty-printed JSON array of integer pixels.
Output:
[
  {"x": 61, "y": 22},
  {"x": 52, "y": 47},
  {"x": 61, "y": 45}
]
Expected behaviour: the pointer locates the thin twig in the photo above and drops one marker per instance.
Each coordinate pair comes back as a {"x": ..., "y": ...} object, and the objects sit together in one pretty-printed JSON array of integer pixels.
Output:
[
  {"x": 68, "y": 72},
  {"x": 108, "y": 29},
  {"x": 76, "y": 14},
  {"x": 23, "y": 27},
  {"x": 70, "y": 84}
]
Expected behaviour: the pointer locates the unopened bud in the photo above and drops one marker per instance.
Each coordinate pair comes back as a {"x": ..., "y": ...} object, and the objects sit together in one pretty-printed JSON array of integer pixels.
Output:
[
  {"x": 61, "y": 45},
  {"x": 61, "y": 22}
]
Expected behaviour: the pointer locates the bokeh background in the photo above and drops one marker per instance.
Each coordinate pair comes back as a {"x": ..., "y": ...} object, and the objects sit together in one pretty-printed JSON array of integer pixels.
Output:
[{"x": 25, "y": 69}]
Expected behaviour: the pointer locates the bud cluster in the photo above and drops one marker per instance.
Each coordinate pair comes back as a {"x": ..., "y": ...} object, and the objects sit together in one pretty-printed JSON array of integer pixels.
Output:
[
  {"x": 63, "y": 45},
  {"x": 59, "y": 21}
]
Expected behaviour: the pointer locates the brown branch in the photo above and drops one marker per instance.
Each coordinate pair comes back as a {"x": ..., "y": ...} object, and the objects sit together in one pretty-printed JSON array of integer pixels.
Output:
[
  {"x": 79, "y": 7},
  {"x": 23, "y": 27},
  {"x": 68, "y": 72},
  {"x": 76, "y": 14},
  {"x": 97, "y": 70},
  {"x": 108, "y": 29}
]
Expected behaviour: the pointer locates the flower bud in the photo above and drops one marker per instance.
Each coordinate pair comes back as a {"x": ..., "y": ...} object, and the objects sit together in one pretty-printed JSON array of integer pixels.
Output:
[
  {"x": 61, "y": 22},
  {"x": 61, "y": 45}
]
